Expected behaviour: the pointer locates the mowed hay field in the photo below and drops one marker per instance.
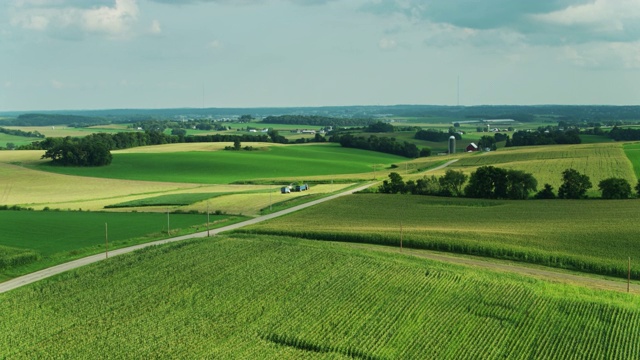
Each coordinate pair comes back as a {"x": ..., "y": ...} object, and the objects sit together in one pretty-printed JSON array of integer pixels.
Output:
[
  {"x": 279, "y": 298},
  {"x": 546, "y": 163},
  {"x": 223, "y": 167},
  {"x": 587, "y": 235}
]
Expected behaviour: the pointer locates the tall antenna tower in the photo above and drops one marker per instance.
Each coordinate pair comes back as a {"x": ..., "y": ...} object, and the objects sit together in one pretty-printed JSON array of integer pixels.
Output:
[{"x": 458, "y": 90}]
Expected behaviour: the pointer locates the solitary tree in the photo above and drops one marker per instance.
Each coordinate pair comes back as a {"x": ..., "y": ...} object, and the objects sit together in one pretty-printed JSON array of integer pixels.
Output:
[
  {"x": 394, "y": 185},
  {"x": 236, "y": 144},
  {"x": 574, "y": 185},
  {"x": 546, "y": 193},
  {"x": 520, "y": 184},
  {"x": 452, "y": 182},
  {"x": 615, "y": 188},
  {"x": 245, "y": 118},
  {"x": 487, "y": 142},
  {"x": 487, "y": 182}
]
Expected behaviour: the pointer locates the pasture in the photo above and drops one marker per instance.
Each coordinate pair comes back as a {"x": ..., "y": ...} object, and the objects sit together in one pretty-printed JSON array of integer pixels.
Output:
[
  {"x": 281, "y": 298},
  {"x": 223, "y": 167},
  {"x": 16, "y": 140},
  {"x": 585, "y": 235},
  {"x": 64, "y": 131}
]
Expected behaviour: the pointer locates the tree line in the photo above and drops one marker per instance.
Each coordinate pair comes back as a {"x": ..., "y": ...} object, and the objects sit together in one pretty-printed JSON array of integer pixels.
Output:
[
  {"x": 436, "y": 135},
  {"x": 387, "y": 145},
  {"x": 489, "y": 182},
  {"x": 544, "y": 136},
  {"x": 70, "y": 151},
  {"x": 16, "y": 132},
  {"x": 315, "y": 120}
]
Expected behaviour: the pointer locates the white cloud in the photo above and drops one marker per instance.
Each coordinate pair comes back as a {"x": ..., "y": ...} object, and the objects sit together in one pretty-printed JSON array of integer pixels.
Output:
[
  {"x": 155, "y": 27},
  {"x": 215, "y": 44},
  {"x": 604, "y": 55},
  {"x": 57, "y": 84},
  {"x": 387, "y": 44},
  {"x": 112, "y": 20},
  {"x": 614, "y": 20}
]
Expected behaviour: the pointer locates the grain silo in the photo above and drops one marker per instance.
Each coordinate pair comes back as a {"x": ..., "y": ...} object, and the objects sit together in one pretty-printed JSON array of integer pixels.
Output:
[{"x": 452, "y": 145}]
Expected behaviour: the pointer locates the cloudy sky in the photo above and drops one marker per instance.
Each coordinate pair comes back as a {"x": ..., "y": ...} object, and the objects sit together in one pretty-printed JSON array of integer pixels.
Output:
[{"x": 95, "y": 54}]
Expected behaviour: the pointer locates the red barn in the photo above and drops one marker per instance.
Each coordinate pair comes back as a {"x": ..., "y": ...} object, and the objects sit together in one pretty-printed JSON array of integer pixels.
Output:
[{"x": 472, "y": 147}]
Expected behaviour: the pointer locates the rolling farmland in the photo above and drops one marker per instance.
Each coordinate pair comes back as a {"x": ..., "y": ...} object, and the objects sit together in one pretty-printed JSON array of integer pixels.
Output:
[
  {"x": 546, "y": 163},
  {"x": 591, "y": 236},
  {"x": 223, "y": 167},
  {"x": 270, "y": 297}
]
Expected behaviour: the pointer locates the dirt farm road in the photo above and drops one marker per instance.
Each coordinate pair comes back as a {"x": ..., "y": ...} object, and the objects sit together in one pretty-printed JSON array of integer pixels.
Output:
[{"x": 476, "y": 262}]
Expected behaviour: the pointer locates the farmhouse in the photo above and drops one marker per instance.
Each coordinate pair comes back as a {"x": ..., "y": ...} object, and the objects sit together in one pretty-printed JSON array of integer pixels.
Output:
[{"x": 472, "y": 147}]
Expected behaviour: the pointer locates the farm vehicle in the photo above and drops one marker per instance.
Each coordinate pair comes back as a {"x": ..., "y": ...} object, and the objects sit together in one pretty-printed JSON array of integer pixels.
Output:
[{"x": 290, "y": 188}]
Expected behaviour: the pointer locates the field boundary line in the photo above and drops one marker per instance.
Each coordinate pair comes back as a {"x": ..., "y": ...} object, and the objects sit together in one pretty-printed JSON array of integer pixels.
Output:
[{"x": 58, "y": 269}]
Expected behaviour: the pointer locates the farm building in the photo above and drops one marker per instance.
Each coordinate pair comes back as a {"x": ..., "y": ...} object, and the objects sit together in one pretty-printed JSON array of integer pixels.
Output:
[{"x": 472, "y": 147}]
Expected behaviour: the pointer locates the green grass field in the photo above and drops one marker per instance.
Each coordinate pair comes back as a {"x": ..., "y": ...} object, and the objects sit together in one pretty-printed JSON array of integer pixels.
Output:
[
  {"x": 17, "y": 140},
  {"x": 221, "y": 167},
  {"x": 167, "y": 200},
  {"x": 585, "y": 235},
  {"x": 58, "y": 236},
  {"x": 633, "y": 153},
  {"x": 280, "y": 298}
]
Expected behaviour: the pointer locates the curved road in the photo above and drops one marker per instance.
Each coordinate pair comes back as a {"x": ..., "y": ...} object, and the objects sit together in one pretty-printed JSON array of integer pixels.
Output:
[{"x": 540, "y": 273}]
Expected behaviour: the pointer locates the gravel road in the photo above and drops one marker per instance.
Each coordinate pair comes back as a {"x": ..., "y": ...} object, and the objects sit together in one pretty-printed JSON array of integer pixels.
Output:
[{"x": 564, "y": 277}]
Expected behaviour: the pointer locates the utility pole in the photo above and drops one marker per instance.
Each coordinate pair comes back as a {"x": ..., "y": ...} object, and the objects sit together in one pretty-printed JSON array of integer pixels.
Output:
[
  {"x": 168, "y": 232},
  {"x": 208, "y": 234},
  {"x": 106, "y": 241},
  {"x": 401, "y": 235}
]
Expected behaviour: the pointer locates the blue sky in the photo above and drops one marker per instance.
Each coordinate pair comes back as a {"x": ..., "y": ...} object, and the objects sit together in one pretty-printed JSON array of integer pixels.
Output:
[{"x": 95, "y": 54}]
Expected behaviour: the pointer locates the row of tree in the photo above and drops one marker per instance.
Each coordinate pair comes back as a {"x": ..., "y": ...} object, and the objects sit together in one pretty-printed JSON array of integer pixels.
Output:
[
  {"x": 489, "y": 182},
  {"x": 544, "y": 137},
  {"x": 387, "y": 145},
  {"x": 16, "y": 132},
  {"x": 436, "y": 135},
  {"x": 620, "y": 134},
  {"x": 315, "y": 120}
]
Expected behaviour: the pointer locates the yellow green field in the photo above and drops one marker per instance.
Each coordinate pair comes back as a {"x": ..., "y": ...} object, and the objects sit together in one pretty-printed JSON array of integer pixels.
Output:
[
  {"x": 546, "y": 163},
  {"x": 29, "y": 187}
]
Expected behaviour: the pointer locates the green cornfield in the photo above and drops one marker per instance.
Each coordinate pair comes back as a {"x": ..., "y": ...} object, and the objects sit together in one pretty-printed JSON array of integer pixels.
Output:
[
  {"x": 595, "y": 236},
  {"x": 248, "y": 297}
]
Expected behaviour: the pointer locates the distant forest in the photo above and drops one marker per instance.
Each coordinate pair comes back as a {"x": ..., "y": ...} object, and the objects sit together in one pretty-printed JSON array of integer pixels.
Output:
[
  {"x": 568, "y": 113},
  {"x": 314, "y": 120}
]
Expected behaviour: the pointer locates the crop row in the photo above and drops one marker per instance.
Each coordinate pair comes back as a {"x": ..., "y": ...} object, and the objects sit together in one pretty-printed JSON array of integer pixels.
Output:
[
  {"x": 15, "y": 257},
  {"x": 271, "y": 297},
  {"x": 590, "y": 236},
  {"x": 598, "y": 161}
]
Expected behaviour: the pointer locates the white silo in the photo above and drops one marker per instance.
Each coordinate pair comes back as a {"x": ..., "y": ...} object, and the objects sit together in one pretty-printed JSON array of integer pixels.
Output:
[{"x": 452, "y": 145}]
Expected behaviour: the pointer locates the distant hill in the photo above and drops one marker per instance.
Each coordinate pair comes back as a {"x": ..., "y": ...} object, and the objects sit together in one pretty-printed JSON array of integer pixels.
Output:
[{"x": 517, "y": 112}]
